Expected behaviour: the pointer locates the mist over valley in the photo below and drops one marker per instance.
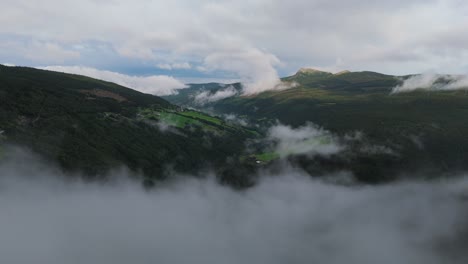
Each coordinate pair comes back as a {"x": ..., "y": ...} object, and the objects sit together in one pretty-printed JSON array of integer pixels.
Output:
[{"x": 307, "y": 131}]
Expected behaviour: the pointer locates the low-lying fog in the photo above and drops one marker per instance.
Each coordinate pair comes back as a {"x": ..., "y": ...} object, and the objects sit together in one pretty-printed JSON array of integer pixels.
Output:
[{"x": 287, "y": 218}]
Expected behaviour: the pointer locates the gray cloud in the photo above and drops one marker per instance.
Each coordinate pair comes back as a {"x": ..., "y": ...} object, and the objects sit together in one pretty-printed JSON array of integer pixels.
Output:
[
  {"x": 156, "y": 85},
  {"x": 205, "y": 97},
  {"x": 415, "y": 35},
  {"x": 308, "y": 139},
  {"x": 254, "y": 67},
  {"x": 236, "y": 119},
  {"x": 433, "y": 82},
  {"x": 39, "y": 51},
  {"x": 313, "y": 140},
  {"x": 174, "y": 66},
  {"x": 290, "y": 218}
]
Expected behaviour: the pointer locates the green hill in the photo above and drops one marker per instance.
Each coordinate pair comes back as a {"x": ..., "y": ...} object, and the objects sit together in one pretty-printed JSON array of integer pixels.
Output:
[
  {"x": 427, "y": 130},
  {"x": 90, "y": 126}
]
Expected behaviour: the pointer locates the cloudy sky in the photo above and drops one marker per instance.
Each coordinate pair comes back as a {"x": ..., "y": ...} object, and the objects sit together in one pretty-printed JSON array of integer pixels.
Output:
[{"x": 255, "y": 41}]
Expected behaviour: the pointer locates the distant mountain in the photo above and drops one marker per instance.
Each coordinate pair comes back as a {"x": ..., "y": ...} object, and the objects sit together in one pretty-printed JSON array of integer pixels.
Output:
[
  {"x": 90, "y": 126},
  {"x": 346, "y": 81},
  {"x": 188, "y": 97},
  {"x": 427, "y": 131}
]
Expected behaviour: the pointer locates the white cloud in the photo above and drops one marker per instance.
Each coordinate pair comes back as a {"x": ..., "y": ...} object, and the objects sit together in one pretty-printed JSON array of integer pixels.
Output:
[
  {"x": 183, "y": 65},
  {"x": 433, "y": 82},
  {"x": 164, "y": 66},
  {"x": 38, "y": 51},
  {"x": 308, "y": 139},
  {"x": 423, "y": 81},
  {"x": 289, "y": 218},
  {"x": 49, "y": 52},
  {"x": 205, "y": 97},
  {"x": 236, "y": 119},
  {"x": 390, "y": 36},
  {"x": 175, "y": 66},
  {"x": 209, "y": 80},
  {"x": 254, "y": 67},
  {"x": 157, "y": 84}
]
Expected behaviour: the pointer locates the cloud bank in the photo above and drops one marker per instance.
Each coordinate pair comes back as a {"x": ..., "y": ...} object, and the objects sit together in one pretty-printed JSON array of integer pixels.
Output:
[
  {"x": 206, "y": 97},
  {"x": 433, "y": 82},
  {"x": 174, "y": 66},
  {"x": 254, "y": 67},
  {"x": 308, "y": 139},
  {"x": 393, "y": 37},
  {"x": 289, "y": 218},
  {"x": 236, "y": 119},
  {"x": 313, "y": 140},
  {"x": 157, "y": 84}
]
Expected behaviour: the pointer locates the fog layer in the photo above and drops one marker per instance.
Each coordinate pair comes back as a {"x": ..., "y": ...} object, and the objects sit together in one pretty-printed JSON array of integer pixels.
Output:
[
  {"x": 287, "y": 218},
  {"x": 433, "y": 82}
]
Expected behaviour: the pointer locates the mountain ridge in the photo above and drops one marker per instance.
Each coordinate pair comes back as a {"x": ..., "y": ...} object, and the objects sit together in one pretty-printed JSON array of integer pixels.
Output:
[
  {"x": 424, "y": 128},
  {"x": 91, "y": 126}
]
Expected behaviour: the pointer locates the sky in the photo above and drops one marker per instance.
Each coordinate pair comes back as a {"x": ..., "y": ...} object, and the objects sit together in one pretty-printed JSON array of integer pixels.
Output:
[{"x": 254, "y": 41}]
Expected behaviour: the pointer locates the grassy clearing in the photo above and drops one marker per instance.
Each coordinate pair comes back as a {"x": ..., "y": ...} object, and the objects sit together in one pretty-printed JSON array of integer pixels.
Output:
[
  {"x": 194, "y": 119},
  {"x": 202, "y": 116},
  {"x": 181, "y": 119},
  {"x": 267, "y": 157},
  {"x": 177, "y": 120}
]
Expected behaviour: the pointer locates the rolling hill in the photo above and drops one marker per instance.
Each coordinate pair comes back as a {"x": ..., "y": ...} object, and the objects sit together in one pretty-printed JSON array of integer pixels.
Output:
[
  {"x": 426, "y": 131},
  {"x": 90, "y": 126}
]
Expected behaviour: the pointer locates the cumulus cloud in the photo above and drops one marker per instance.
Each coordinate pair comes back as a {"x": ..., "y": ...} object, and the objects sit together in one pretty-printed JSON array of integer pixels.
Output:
[
  {"x": 312, "y": 140},
  {"x": 174, "y": 66},
  {"x": 157, "y": 84},
  {"x": 433, "y": 82},
  {"x": 308, "y": 139},
  {"x": 205, "y": 97},
  {"x": 289, "y": 218},
  {"x": 254, "y": 67},
  {"x": 394, "y": 37},
  {"x": 38, "y": 51},
  {"x": 236, "y": 119}
]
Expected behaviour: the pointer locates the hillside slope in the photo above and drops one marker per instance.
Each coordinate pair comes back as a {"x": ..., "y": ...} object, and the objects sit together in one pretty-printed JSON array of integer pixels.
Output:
[
  {"x": 91, "y": 126},
  {"x": 426, "y": 130}
]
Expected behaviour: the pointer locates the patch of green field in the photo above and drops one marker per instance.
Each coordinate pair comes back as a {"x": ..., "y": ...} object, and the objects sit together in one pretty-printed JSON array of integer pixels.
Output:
[
  {"x": 168, "y": 117},
  {"x": 149, "y": 113},
  {"x": 182, "y": 119},
  {"x": 253, "y": 132},
  {"x": 321, "y": 140},
  {"x": 267, "y": 157},
  {"x": 307, "y": 146},
  {"x": 202, "y": 116},
  {"x": 177, "y": 120}
]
